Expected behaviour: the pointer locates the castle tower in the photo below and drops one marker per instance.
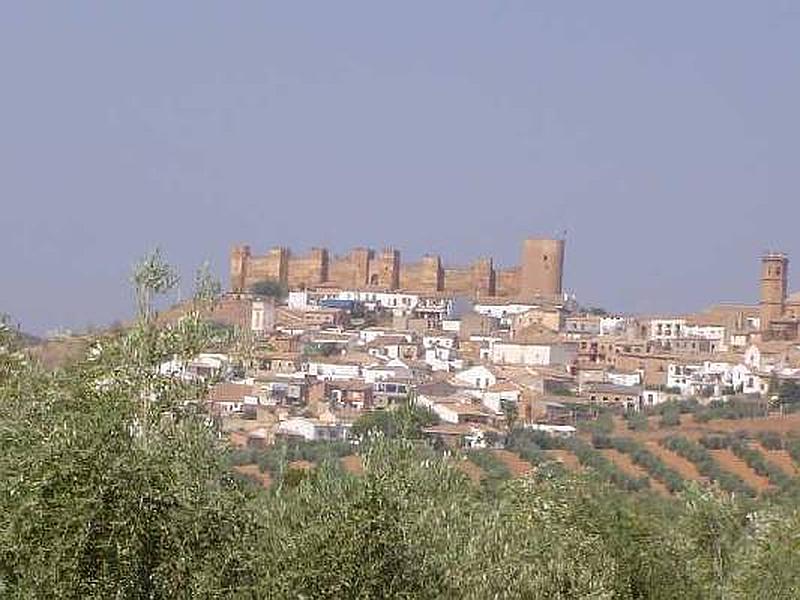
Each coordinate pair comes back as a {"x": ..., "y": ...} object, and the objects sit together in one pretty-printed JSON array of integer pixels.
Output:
[
  {"x": 541, "y": 269},
  {"x": 774, "y": 270},
  {"x": 432, "y": 278},
  {"x": 276, "y": 264},
  {"x": 240, "y": 256},
  {"x": 385, "y": 270},
  {"x": 360, "y": 259},
  {"x": 320, "y": 262},
  {"x": 483, "y": 278}
]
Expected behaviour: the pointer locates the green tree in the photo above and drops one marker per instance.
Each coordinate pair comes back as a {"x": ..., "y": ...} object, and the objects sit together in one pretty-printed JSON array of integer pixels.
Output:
[{"x": 270, "y": 288}]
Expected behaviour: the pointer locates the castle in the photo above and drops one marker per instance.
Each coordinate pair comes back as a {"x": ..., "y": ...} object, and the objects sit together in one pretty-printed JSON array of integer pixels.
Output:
[{"x": 539, "y": 275}]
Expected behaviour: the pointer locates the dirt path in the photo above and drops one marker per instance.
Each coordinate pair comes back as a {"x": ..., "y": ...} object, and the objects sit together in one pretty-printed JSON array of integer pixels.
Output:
[
  {"x": 781, "y": 458},
  {"x": 513, "y": 462},
  {"x": 566, "y": 458},
  {"x": 252, "y": 472},
  {"x": 733, "y": 464},
  {"x": 627, "y": 466},
  {"x": 677, "y": 463}
]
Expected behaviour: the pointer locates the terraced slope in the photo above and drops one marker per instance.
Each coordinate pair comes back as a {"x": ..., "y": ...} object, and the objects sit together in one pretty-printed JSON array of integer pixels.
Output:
[
  {"x": 781, "y": 458},
  {"x": 470, "y": 469},
  {"x": 566, "y": 458},
  {"x": 252, "y": 472},
  {"x": 683, "y": 467},
  {"x": 733, "y": 464},
  {"x": 624, "y": 462},
  {"x": 515, "y": 464}
]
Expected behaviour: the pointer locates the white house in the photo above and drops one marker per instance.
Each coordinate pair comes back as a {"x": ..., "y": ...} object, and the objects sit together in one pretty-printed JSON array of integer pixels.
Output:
[
  {"x": 398, "y": 303},
  {"x": 330, "y": 370},
  {"x": 504, "y": 311},
  {"x": 612, "y": 325},
  {"x": 393, "y": 369},
  {"x": 477, "y": 376},
  {"x": 262, "y": 316},
  {"x": 542, "y": 354},
  {"x": 666, "y": 329},
  {"x": 620, "y": 378},
  {"x": 203, "y": 366},
  {"x": 497, "y": 394},
  {"x": 443, "y": 340},
  {"x": 744, "y": 380},
  {"x": 705, "y": 332},
  {"x": 682, "y": 377},
  {"x": 443, "y": 359},
  {"x": 313, "y": 429}
]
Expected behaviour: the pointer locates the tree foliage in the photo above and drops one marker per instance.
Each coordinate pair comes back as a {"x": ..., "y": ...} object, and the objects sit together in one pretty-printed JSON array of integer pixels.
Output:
[
  {"x": 115, "y": 484},
  {"x": 270, "y": 288}
]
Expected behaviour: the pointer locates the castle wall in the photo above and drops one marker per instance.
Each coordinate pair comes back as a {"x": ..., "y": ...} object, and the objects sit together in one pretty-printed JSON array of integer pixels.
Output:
[
  {"x": 363, "y": 267},
  {"x": 458, "y": 280},
  {"x": 310, "y": 270},
  {"x": 342, "y": 270},
  {"x": 508, "y": 284},
  {"x": 426, "y": 275}
]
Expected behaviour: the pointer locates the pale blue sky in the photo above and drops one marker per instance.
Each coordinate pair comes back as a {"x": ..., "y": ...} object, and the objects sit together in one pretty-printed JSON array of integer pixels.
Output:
[{"x": 663, "y": 136}]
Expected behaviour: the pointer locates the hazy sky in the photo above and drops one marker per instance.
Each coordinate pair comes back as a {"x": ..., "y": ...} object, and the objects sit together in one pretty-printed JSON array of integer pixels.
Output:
[{"x": 663, "y": 136}]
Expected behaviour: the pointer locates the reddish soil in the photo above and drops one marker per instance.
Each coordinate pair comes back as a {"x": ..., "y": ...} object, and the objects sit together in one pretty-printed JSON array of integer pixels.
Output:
[
  {"x": 677, "y": 463},
  {"x": 470, "y": 469},
  {"x": 627, "y": 466},
  {"x": 252, "y": 472},
  {"x": 693, "y": 430},
  {"x": 781, "y": 458},
  {"x": 352, "y": 464},
  {"x": 301, "y": 464},
  {"x": 513, "y": 462},
  {"x": 781, "y": 424},
  {"x": 566, "y": 458},
  {"x": 733, "y": 464}
]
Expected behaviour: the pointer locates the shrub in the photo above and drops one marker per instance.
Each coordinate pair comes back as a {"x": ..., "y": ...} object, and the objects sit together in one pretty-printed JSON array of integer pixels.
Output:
[
  {"x": 529, "y": 444},
  {"x": 601, "y": 441},
  {"x": 604, "y": 424},
  {"x": 494, "y": 469},
  {"x": 771, "y": 440},
  {"x": 670, "y": 417},
  {"x": 637, "y": 421}
]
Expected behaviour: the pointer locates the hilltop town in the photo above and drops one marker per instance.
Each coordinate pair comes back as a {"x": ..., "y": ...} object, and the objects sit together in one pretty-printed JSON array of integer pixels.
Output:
[{"x": 332, "y": 339}]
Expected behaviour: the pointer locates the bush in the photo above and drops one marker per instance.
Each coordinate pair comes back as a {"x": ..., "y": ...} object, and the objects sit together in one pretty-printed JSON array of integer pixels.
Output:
[
  {"x": 735, "y": 408},
  {"x": 771, "y": 440},
  {"x": 637, "y": 421},
  {"x": 270, "y": 288},
  {"x": 603, "y": 424},
  {"x": 494, "y": 469},
  {"x": 601, "y": 441},
  {"x": 529, "y": 444},
  {"x": 671, "y": 417}
]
